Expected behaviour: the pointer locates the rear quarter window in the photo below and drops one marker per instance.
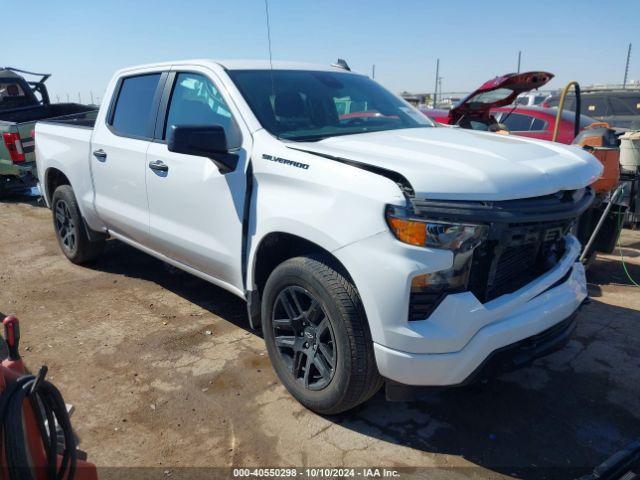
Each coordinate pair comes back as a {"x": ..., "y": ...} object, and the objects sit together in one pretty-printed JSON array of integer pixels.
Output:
[
  {"x": 132, "y": 112},
  {"x": 517, "y": 122}
]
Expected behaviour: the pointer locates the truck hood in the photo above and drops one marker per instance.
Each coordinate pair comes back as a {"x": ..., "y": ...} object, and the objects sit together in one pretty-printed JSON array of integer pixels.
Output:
[{"x": 449, "y": 163}]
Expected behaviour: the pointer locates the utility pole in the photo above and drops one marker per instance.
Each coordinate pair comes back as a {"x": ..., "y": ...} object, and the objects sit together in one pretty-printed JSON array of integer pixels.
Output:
[
  {"x": 91, "y": 94},
  {"x": 626, "y": 68},
  {"x": 68, "y": 101},
  {"x": 440, "y": 87},
  {"x": 79, "y": 99},
  {"x": 519, "y": 58},
  {"x": 373, "y": 71},
  {"x": 435, "y": 91}
]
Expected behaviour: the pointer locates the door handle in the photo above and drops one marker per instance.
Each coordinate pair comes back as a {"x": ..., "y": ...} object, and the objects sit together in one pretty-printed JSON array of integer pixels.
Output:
[
  {"x": 158, "y": 166},
  {"x": 100, "y": 154}
]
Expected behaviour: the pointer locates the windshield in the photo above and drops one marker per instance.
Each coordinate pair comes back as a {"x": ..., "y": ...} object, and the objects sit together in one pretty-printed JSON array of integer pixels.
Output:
[{"x": 311, "y": 105}]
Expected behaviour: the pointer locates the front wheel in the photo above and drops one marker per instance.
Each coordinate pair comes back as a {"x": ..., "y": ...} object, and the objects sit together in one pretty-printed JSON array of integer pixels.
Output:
[
  {"x": 317, "y": 335},
  {"x": 70, "y": 228}
]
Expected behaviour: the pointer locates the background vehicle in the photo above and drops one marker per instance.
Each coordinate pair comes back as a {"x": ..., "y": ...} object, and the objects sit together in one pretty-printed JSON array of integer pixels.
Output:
[
  {"x": 499, "y": 101},
  {"x": 367, "y": 247},
  {"x": 618, "y": 107},
  {"x": 23, "y": 103},
  {"x": 539, "y": 122},
  {"x": 530, "y": 99},
  {"x": 532, "y": 122},
  {"x": 474, "y": 110}
]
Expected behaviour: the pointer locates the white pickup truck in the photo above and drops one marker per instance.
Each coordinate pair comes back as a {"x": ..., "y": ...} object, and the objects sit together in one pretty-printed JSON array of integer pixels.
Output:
[{"x": 368, "y": 242}]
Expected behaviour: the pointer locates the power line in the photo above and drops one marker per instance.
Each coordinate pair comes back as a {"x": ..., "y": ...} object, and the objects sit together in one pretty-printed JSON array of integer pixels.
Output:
[{"x": 626, "y": 67}]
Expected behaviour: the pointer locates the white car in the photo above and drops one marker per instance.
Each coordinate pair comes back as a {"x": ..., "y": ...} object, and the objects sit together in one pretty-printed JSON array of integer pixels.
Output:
[{"x": 369, "y": 245}]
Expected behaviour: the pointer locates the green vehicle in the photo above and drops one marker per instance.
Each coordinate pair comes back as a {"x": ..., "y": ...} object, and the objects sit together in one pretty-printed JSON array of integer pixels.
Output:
[{"x": 22, "y": 104}]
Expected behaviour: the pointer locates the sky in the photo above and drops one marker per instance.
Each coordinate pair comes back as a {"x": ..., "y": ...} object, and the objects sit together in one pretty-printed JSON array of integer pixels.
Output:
[{"x": 82, "y": 42}]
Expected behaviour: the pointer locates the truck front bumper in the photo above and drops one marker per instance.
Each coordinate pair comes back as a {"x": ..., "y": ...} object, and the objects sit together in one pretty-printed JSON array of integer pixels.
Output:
[
  {"x": 503, "y": 345},
  {"x": 450, "y": 346}
]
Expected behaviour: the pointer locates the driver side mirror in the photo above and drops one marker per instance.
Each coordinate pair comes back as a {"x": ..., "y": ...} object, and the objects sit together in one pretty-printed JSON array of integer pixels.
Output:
[{"x": 204, "y": 141}]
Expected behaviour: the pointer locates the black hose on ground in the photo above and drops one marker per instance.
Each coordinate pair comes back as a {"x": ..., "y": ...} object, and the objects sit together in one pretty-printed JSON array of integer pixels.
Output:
[{"x": 47, "y": 404}]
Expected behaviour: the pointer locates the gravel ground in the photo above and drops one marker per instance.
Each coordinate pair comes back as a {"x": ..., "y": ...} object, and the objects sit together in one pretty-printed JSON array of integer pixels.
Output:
[{"x": 164, "y": 372}]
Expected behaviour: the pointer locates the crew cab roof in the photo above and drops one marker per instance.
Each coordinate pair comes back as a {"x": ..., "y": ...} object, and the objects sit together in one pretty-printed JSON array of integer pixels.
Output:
[
  {"x": 233, "y": 64},
  {"x": 277, "y": 65}
]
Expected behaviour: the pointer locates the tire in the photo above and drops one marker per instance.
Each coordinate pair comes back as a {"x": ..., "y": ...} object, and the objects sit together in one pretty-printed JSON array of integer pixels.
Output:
[
  {"x": 70, "y": 228},
  {"x": 317, "y": 335}
]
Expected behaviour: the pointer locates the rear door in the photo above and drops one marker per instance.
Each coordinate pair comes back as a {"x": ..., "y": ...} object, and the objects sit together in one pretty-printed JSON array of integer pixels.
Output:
[
  {"x": 196, "y": 212},
  {"x": 119, "y": 154}
]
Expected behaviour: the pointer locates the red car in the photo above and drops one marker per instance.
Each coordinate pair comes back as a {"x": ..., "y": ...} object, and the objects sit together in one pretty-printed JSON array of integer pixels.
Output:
[
  {"x": 539, "y": 122},
  {"x": 486, "y": 107}
]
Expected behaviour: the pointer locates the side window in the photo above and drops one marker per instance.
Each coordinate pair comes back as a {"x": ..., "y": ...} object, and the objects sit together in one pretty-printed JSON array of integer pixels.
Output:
[
  {"x": 625, "y": 105},
  {"x": 594, "y": 106},
  {"x": 133, "y": 109},
  {"x": 538, "y": 125},
  {"x": 517, "y": 122},
  {"x": 196, "y": 101}
]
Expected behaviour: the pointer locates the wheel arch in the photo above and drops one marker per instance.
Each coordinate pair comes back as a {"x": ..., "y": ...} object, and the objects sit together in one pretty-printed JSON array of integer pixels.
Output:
[
  {"x": 273, "y": 249},
  {"x": 53, "y": 178}
]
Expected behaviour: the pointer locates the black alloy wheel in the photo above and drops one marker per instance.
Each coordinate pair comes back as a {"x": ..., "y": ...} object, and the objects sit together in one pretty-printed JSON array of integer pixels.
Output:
[
  {"x": 65, "y": 226},
  {"x": 304, "y": 337}
]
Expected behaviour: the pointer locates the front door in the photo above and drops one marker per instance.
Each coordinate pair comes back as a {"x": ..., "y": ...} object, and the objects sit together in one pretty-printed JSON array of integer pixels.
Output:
[{"x": 195, "y": 211}]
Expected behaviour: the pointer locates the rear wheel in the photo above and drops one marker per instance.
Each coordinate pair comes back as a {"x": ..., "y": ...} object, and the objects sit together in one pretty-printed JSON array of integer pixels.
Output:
[
  {"x": 70, "y": 228},
  {"x": 317, "y": 335}
]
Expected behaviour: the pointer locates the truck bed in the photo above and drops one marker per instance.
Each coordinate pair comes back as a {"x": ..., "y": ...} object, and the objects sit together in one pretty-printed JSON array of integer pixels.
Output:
[
  {"x": 83, "y": 119},
  {"x": 65, "y": 144},
  {"x": 41, "y": 112}
]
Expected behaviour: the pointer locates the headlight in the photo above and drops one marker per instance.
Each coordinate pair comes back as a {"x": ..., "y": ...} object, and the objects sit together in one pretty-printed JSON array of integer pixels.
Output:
[
  {"x": 429, "y": 289},
  {"x": 434, "y": 233}
]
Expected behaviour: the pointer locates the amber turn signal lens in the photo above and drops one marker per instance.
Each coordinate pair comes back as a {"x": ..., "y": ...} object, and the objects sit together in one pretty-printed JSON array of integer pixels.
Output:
[{"x": 407, "y": 231}]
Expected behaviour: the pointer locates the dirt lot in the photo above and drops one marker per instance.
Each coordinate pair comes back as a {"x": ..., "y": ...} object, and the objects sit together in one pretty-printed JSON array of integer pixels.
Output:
[{"x": 164, "y": 372}]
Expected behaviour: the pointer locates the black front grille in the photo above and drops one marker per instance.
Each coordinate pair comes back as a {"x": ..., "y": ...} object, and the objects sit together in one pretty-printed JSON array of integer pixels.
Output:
[
  {"x": 520, "y": 254},
  {"x": 514, "y": 267},
  {"x": 526, "y": 238}
]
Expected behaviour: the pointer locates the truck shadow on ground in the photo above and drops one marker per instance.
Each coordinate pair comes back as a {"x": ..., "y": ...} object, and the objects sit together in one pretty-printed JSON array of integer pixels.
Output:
[
  {"x": 551, "y": 420},
  {"x": 122, "y": 259},
  {"x": 34, "y": 201}
]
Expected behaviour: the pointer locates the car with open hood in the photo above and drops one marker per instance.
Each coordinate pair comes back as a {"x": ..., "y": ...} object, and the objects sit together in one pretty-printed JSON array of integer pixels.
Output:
[{"x": 494, "y": 106}]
